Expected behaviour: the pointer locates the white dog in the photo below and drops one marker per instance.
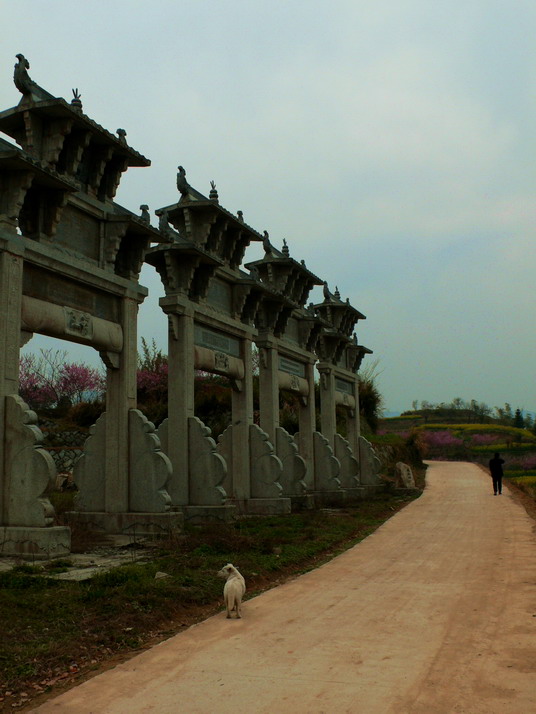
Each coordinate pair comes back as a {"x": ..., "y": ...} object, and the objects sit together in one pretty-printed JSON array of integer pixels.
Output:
[{"x": 234, "y": 588}]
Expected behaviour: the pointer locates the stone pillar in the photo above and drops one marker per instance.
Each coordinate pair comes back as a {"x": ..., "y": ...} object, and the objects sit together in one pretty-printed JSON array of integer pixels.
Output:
[
  {"x": 242, "y": 419},
  {"x": 353, "y": 423},
  {"x": 269, "y": 388},
  {"x": 10, "y": 323},
  {"x": 328, "y": 419},
  {"x": 181, "y": 407},
  {"x": 120, "y": 397},
  {"x": 26, "y": 470},
  {"x": 307, "y": 425}
]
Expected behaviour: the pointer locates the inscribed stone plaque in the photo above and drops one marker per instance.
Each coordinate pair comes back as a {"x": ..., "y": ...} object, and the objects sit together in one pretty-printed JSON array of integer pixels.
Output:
[
  {"x": 291, "y": 366},
  {"x": 219, "y": 295},
  {"x": 78, "y": 232},
  {"x": 343, "y": 360},
  {"x": 292, "y": 333},
  {"x": 205, "y": 337},
  {"x": 344, "y": 387},
  {"x": 51, "y": 287}
]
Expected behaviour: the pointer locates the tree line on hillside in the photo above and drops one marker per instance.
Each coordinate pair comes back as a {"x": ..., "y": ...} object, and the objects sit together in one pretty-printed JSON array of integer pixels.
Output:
[
  {"x": 472, "y": 412},
  {"x": 75, "y": 392}
]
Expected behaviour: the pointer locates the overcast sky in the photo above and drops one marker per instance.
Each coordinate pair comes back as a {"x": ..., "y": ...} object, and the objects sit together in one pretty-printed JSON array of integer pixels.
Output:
[{"x": 391, "y": 142}]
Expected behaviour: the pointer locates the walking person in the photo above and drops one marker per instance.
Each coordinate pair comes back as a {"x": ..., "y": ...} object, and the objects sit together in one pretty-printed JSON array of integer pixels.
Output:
[{"x": 496, "y": 471}]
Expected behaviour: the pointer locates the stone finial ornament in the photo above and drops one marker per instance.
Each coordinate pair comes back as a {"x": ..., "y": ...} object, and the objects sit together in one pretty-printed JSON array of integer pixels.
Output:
[
  {"x": 122, "y": 134},
  {"x": 76, "y": 101},
  {"x": 337, "y": 293},
  {"x": 182, "y": 184},
  {"x": 285, "y": 249},
  {"x": 213, "y": 195},
  {"x": 25, "y": 84},
  {"x": 145, "y": 215},
  {"x": 240, "y": 216}
]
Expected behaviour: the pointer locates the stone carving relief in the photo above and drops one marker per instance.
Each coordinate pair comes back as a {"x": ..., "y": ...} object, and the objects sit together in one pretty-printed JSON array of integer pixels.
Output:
[
  {"x": 327, "y": 467},
  {"x": 207, "y": 468},
  {"x": 31, "y": 469},
  {"x": 89, "y": 470},
  {"x": 150, "y": 468},
  {"x": 78, "y": 323},
  {"x": 349, "y": 473},
  {"x": 294, "y": 382},
  {"x": 294, "y": 468},
  {"x": 370, "y": 463},
  {"x": 224, "y": 448},
  {"x": 221, "y": 361},
  {"x": 266, "y": 468}
]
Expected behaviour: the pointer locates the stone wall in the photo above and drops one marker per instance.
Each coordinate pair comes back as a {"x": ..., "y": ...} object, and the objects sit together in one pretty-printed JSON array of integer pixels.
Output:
[{"x": 64, "y": 445}]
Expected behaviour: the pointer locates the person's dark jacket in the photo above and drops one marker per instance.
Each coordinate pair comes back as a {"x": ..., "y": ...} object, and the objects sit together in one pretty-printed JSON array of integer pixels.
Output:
[{"x": 495, "y": 466}]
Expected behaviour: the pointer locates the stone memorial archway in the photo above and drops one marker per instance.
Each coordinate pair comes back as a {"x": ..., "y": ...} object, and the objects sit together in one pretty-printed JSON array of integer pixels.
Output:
[{"x": 70, "y": 259}]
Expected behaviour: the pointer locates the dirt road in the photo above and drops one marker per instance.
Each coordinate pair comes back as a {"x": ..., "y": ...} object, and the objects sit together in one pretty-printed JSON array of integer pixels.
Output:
[{"x": 435, "y": 613}]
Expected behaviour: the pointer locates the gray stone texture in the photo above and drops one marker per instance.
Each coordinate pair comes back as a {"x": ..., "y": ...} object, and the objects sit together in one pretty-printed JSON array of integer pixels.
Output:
[
  {"x": 35, "y": 543},
  {"x": 327, "y": 466},
  {"x": 404, "y": 476},
  {"x": 292, "y": 477},
  {"x": 150, "y": 468},
  {"x": 266, "y": 468},
  {"x": 29, "y": 469},
  {"x": 224, "y": 448},
  {"x": 370, "y": 463},
  {"x": 349, "y": 471},
  {"x": 207, "y": 469},
  {"x": 89, "y": 470}
]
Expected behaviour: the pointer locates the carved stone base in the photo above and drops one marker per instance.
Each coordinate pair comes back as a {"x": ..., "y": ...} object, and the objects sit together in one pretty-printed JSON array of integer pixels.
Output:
[
  {"x": 330, "y": 499},
  {"x": 132, "y": 524},
  {"x": 373, "y": 491},
  {"x": 354, "y": 495},
  {"x": 267, "y": 506},
  {"x": 302, "y": 503},
  {"x": 35, "y": 543},
  {"x": 209, "y": 514}
]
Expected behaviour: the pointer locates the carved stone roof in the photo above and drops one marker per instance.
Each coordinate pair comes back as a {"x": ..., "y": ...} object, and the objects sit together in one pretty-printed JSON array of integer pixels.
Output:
[
  {"x": 119, "y": 213},
  {"x": 203, "y": 223},
  {"x": 14, "y": 159},
  {"x": 12, "y": 124},
  {"x": 340, "y": 315},
  {"x": 284, "y": 275}
]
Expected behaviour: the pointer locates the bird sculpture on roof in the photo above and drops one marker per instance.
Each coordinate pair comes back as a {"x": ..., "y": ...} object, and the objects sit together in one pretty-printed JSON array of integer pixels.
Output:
[
  {"x": 25, "y": 84},
  {"x": 145, "y": 215},
  {"x": 327, "y": 295},
  {"x": 268, "y": 248},
  {"x": 182, "y": 184}
]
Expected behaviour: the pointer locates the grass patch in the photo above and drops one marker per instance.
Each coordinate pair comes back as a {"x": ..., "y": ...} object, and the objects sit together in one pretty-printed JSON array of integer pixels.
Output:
[
  {"x": 513, "y": 432},
  {"x": 52, "y": 630},
  {"x": 525, "y": 480},
  {"x": 391, "y": 438}
]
